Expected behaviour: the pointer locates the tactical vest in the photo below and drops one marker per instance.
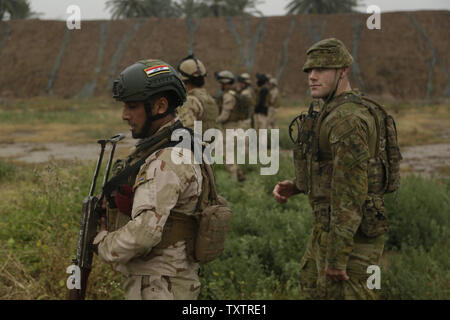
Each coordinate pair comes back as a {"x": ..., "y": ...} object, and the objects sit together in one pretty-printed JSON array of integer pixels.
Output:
[
  {"x": 314, "y": 175},
  {"x": 241, "y": 110},
  {"x": 124, "y": 171},
  {"x": 210, "y": 108}
]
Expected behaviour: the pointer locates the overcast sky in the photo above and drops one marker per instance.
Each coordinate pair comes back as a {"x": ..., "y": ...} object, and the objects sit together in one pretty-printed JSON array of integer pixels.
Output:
[{"x": 95, "y": 9}]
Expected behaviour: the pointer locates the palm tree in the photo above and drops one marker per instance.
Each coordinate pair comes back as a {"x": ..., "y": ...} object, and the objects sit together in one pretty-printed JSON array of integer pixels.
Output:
[
  {"x": 142, "y": 8},
  {"x": 235, "y": 7},
  {"x": 321, "y": 6},
  {"x": 127, "y": 8},
  {"x": 16, "y": 9},
  {"x": 193, "y": 8}
]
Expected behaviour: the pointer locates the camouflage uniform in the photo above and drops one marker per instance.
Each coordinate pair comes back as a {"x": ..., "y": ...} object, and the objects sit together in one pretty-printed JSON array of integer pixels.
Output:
[
  {"x": 210, "y": 108},
  {"x": 261, "y": 103},
  {"x": 274, "y": 103},
  {"x": 192, "y": 110},
  {"x": 155, "y": 264},
  {"x": 335, "y": 175},
  {"x": 229, "y": 119},
  {"x": 200, "y": 106},
  {"x": 162, "y": 187},
  {"x": 248, "y": 97}
]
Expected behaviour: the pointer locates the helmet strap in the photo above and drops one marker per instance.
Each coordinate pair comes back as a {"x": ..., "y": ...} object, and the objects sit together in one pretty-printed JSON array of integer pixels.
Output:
[
  {"x": 150, "y": 118},
  {"x": 331, "y": 95}
]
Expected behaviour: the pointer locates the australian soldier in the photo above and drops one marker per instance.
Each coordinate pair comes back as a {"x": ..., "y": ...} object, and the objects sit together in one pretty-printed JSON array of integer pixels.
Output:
[
  {"x": 199, "y": 105},
  {"x": 149, "y": 227},
  {"x": 346, "y": 158}
]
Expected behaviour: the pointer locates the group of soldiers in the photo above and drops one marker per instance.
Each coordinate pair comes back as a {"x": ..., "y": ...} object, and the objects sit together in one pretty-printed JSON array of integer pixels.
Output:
[
  {"x": 233, "y": 107},
  {"x": 345, "y": 159}
]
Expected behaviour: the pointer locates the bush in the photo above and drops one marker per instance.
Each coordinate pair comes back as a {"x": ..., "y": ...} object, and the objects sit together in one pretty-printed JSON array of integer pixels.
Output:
[{"x": 420, "y": 214}]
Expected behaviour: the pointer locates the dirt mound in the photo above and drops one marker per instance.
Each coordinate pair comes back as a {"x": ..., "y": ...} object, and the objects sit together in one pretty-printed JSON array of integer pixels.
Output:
[{"x": 407, "y": 59}]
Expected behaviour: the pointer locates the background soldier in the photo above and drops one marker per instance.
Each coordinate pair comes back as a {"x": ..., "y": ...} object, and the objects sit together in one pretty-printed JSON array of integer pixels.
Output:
[
  {"x": 339, "y": 162},
  {"x": 199, "y": 104},
  {"x": 262, "y": 99},
  {"x": 274, "y": 103},
  {"x": 230, "y": 116},
  {"x": 156, "y": 264},
  {"x": 248, "y": 97}
]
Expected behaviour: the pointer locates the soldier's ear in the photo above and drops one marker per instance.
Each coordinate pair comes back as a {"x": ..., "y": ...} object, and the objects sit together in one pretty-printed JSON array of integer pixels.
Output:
[
  {"x": 161, "y": 105},
  {"x": 344, "y": 72}
]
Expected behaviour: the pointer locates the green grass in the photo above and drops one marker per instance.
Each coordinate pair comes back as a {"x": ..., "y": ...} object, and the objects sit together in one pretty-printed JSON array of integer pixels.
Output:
[{"x": 40, "y": 215}]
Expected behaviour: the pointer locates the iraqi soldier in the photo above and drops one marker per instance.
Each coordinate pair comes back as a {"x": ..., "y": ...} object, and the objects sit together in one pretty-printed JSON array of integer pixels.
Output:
[
  {"x": 247, "y": 96},
  {"x": 230, "y": 116},
  {"x": 199, "y": 105},
  {"x": 154, "y": 259},
  {"x": 346, "y": 157},
  {"x": 274, "y": 103},
  {"x": 262, "y": 99}
]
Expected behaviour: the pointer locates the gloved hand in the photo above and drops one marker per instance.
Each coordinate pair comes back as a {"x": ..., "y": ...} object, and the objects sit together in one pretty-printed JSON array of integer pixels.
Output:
[{"x": 124, "y": 199}]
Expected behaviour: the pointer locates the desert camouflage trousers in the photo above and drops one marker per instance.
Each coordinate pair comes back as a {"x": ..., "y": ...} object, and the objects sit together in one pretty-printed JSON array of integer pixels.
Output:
[
  {"x": 314, "y": 285},
  {"x": 271, "y": 117},
  {"x": 235, "y": 169},
  {"x": 159, "y": 287}
]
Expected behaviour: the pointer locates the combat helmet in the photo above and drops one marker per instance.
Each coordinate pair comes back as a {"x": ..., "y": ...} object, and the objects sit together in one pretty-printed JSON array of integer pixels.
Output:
[
  {"x": 191, "y": 68},
  {"x": 328, "y": 53},
  {"x": 225, "y": 77},
  {"x": 146, "y": 78},
  {"x": 244, "y": 78}
]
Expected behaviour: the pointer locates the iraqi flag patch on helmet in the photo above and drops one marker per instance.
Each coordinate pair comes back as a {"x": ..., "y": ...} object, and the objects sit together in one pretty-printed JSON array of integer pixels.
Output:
[{"x": 153, "y": 71}]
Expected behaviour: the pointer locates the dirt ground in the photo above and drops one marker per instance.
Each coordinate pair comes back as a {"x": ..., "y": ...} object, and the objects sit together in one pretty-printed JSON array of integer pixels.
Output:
[{"x": 428, "y": 160}]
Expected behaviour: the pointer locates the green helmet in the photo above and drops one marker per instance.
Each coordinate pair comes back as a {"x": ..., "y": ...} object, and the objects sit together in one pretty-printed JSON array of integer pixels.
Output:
[
  {"x": 328, "y": 53},
  {"x": 145, "y": 78}
]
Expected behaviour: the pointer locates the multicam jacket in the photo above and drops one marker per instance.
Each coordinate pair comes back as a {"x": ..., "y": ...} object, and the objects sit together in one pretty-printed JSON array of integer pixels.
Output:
[{"x": 342, "y": 176}]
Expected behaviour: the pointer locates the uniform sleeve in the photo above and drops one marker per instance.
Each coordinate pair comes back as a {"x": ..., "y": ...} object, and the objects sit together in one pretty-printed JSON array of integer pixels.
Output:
[
  {"x": 350, "y": 151},
  {"x": 228, "y": 104},
  {"x": 190, "y": 111},
  {"x": 157, "y": 190}
]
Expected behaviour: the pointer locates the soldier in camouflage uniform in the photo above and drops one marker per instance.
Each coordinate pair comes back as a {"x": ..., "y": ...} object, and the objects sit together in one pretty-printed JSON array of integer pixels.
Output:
[
  {"x": 248, "y": 96},
  {"x": 340, "y": 168},
  {"x": 229, "y": 116},
  {"x": 199, "y": 105},
  {"x": 274, "y": 103},
  {"x": 262, "y": 101},
  {"x": 159, "y": 193}
]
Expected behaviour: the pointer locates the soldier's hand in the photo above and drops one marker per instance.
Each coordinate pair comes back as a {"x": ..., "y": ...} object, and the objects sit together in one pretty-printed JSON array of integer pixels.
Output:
[
  {"x": 284, "y": 190},
  {"x": 336, "y": 274}
]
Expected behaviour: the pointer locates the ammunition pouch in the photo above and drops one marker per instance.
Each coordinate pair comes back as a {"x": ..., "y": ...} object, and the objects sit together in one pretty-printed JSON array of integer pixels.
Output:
[
  {"x": 374, "y": 221},
  {"x": 179, "y": 227}
]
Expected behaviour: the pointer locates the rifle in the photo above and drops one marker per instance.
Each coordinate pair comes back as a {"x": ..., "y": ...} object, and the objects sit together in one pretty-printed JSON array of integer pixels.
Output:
[{"x": 90, "y": 217}]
